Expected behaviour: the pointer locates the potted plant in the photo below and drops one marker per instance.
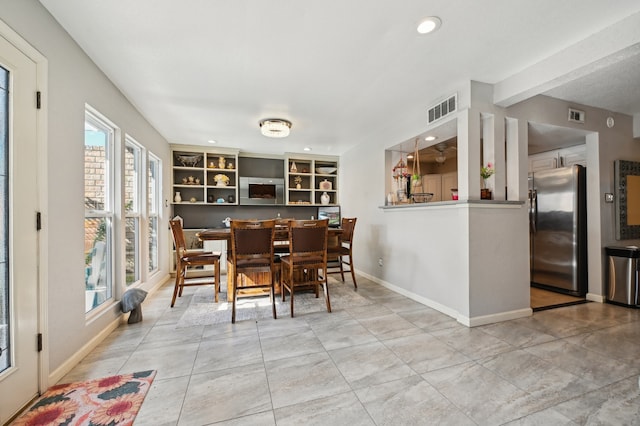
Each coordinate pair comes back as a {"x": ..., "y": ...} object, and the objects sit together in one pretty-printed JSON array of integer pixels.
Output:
[{"x": 486, "y": 173}]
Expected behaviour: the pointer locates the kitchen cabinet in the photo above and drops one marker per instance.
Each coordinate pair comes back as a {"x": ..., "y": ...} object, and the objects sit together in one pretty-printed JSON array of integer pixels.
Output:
[
  {"x": 307, "y": 178},
  {"x": 556, "y": 158},
  {"x": 433, "y": 183},
  {"x": 440, "y": 185},
  {"x": 204, "y": 176}
]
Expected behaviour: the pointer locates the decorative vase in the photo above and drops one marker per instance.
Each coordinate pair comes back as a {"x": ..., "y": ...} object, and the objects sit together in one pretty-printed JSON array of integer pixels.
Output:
[
  {"x": 485, "y": 194},
  {"x": 178, "y": 197},
  {"x": 324, "y": 198},
  {"x": 221, "y": 162},
  {"x": 221, "y": 183},
  {"x": 325, "y": 184},
  {"x": 298, "y": 186}
]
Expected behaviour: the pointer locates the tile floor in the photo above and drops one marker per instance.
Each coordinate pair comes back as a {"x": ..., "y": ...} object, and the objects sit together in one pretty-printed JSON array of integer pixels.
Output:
[{"x": 394, "y": 362}]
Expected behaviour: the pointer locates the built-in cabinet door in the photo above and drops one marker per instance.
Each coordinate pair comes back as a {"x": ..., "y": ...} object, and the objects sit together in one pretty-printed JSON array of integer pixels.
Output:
[
  {"x": 433, "y": 184},
  {"x": 563, "y": 157},
  {"x": 543, "y": 161},
  {"x": 573, "y": 155}
]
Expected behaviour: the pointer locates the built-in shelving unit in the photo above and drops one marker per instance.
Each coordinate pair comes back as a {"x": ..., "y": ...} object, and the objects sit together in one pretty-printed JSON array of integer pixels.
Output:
[
  {"x": 307, "y": 178},
  {"x": 197, "y": 175}
]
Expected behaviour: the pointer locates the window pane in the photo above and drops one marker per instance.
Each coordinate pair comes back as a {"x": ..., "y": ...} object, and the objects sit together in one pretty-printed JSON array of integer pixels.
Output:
[
  {"x": 153, "y": 243},
  {"x": 153, "y": 184},
  {"x": 153, "y": 190},
  {"x": 95, "y": 161},
  {"x": 98, "y": 202},
  {"x": 132, "y": 251},
  {"x": 131, "y": 185},
  {"x": 97, "y": 240}
]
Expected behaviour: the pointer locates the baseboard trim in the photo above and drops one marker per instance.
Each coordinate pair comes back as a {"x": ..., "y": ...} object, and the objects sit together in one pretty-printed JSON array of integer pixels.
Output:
[
  {"x": 72, "y": 361},
  {"x": 596, "y": 298},
  {"x": 425, "y": 301},
  {"x": 75, "y": 359},
  {"x": 493, "y": 318},
  {"x": 469, "y": 322}
]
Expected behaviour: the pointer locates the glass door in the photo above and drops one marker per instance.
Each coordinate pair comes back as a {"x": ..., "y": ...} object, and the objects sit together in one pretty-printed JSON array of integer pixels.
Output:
[
  {"x": 5, "y": 324},
  {"x": 19, "y": 291}
]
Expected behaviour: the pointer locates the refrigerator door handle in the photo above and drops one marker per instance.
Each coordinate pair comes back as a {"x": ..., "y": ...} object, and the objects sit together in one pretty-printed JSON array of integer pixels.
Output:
[{"x": 533, "y": 209}]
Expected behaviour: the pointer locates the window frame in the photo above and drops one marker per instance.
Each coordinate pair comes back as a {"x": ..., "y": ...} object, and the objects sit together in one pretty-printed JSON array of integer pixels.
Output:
[
  {"x": 98, "y": 121},
  {"x": 153, "y": 211},
  {"x": 136, "y": 213}
]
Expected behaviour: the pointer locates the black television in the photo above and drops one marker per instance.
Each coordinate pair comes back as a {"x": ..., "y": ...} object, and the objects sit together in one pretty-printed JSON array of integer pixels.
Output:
[{"x": 332, "y": 213}]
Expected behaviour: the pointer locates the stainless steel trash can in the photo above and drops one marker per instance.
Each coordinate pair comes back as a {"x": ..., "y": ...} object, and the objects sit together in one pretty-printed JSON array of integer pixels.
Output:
[{"x": 622, "y": 275}]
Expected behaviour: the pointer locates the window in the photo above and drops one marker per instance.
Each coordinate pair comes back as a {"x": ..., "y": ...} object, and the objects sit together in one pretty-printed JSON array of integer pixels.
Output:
[
  {"x": 98, "y": 202},
  {"x": 132, "y": 203},
  {"x": 153, "y": 208}
]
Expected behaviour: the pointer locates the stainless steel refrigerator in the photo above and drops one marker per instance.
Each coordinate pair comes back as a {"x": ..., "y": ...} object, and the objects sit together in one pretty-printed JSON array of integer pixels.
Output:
[{"x": 558, "y": 230}]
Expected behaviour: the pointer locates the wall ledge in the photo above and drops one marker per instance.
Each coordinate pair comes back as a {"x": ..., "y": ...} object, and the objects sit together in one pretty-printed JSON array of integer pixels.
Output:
[{"x": 499, "y": 204}]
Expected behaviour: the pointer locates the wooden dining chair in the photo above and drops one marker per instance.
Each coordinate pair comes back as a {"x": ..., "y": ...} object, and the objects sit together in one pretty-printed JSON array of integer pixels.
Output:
[
  {"x": 188, "y": 258},
  {"x": 344, "y": 249},
  {"x": 252, "y": 252},
  {"x": 306, "y": 264}
]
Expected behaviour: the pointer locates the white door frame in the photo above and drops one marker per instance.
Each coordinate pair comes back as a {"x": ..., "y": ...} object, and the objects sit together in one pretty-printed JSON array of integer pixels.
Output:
[{"x": 41, "y": 161}]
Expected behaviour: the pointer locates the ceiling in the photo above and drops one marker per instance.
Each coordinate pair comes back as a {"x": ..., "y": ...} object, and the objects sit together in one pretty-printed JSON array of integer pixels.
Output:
[{"x": 342, "y": 72}]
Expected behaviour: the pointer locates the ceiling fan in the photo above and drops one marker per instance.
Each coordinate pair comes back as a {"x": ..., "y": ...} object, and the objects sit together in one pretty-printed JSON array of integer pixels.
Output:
[{"x": 439, "y": 151}]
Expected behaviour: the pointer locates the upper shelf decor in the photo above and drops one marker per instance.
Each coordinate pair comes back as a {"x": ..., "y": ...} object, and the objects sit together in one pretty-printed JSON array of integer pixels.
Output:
[
  {"x": 221, "y": 180},
  {"x": 326, "y": 170},
  {"x": 189, "y": 160}
]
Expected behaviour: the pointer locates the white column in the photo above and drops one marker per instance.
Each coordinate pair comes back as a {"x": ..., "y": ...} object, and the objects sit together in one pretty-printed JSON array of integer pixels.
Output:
[
  {"x": 517, "y": 159},
  {"x": 469, "y": 155}
]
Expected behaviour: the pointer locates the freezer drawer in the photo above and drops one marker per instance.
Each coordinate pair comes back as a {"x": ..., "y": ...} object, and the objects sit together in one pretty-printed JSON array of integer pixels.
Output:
[{"x": 622, "y": 275}]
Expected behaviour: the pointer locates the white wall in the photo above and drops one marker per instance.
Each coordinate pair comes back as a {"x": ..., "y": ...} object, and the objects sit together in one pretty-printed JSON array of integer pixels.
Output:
[{"x": 74, "y": 80}]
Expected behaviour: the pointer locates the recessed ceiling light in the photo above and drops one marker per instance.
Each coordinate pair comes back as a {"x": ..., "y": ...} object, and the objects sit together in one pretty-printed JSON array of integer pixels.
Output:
[
  {"x": 429, "y": 24},
  {"x": 430, "y": 138},
  {"x": 211, "y": 141},
  {"x": 409, "y": 156},
  {"x": 306, "y": 148}
]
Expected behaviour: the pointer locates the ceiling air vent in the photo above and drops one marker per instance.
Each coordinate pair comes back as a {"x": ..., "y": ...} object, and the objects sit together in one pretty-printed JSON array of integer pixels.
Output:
[{"x": 443, "y": 108}]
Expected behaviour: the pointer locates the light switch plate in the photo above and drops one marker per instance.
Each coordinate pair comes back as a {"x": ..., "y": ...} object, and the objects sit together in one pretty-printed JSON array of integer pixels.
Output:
[{"x": 608, "y": 197}]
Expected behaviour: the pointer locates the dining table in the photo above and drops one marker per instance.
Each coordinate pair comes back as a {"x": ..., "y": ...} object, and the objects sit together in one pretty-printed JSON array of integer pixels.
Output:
[{"x": 280, "y": 241}]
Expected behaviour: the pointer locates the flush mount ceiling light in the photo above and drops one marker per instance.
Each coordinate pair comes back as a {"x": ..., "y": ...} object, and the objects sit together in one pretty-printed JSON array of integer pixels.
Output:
[
  {"x": 429, "y": 25},
  {"x": 430, "y": 138},
  {"x": 275, "y": 127}
]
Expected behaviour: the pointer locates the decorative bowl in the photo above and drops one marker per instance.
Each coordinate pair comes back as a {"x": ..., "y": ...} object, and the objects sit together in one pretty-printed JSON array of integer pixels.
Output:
[
  {"x": 189, "y": 160},
  {"x": 326, "y": 170},
  {"x": 421, "y": 197}
]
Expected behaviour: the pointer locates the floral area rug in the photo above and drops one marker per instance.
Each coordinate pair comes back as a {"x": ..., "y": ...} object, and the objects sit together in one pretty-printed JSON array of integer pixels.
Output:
[
  {"x": 112, "y": 401},
  {"x": 202, "y": 309}
]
